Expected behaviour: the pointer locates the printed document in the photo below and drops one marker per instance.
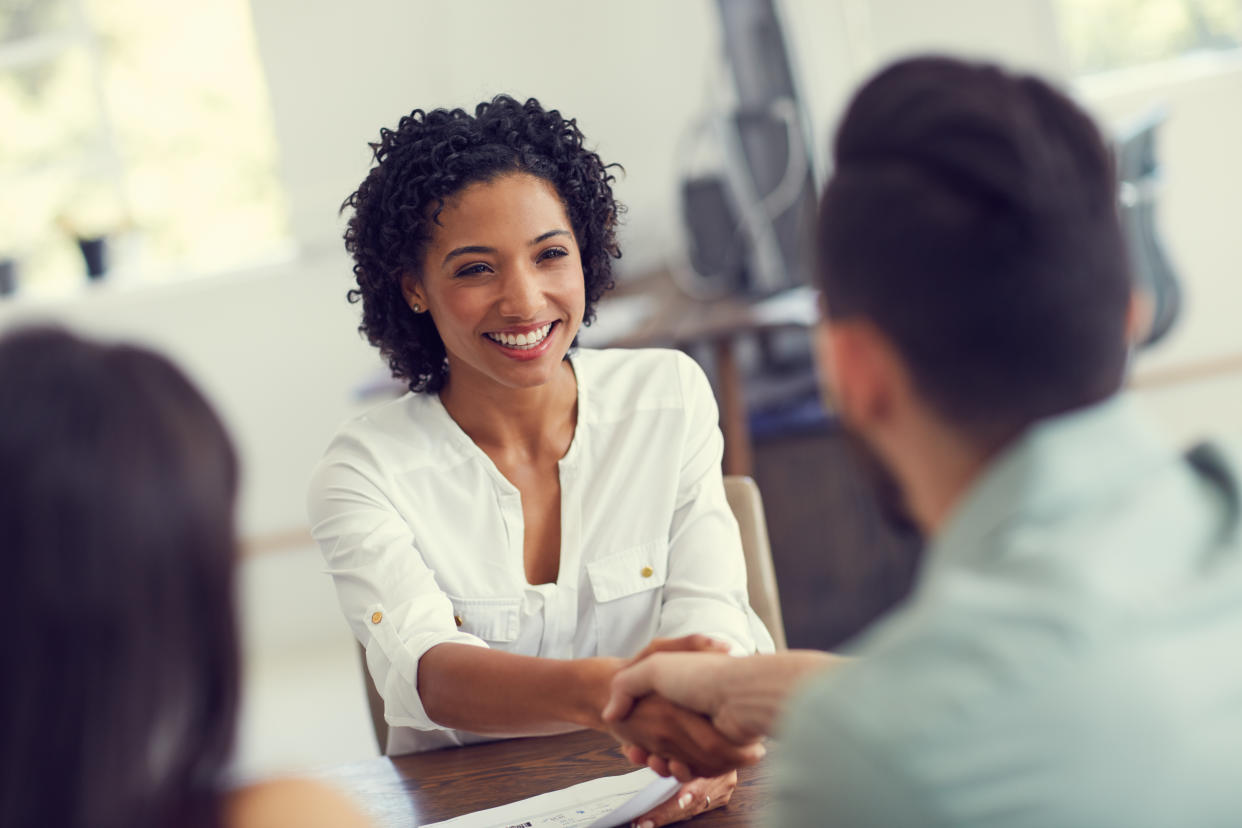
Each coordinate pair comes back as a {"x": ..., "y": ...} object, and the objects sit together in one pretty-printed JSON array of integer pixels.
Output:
[{"x": 599, "y": 803}]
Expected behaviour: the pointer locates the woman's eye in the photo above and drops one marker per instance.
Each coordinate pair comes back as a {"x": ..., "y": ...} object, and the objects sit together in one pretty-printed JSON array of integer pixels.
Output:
[
  {"x": 472, "y": 270},
  {"x": 553, "y": 253}
]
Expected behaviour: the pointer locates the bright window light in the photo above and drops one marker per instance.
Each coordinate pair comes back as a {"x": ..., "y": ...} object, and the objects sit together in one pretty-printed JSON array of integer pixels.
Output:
[{"x": 141, "y": 121}]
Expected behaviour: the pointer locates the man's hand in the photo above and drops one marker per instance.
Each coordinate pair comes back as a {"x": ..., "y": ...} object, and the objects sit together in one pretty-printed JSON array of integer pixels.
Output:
[
  {"x": 741, "y": 696},
  {"x": 694, "y": 681},
  {"x": 680, "y": 742}
]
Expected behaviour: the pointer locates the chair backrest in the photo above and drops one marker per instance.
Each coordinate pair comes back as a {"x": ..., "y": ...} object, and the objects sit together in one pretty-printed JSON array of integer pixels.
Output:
[
  {"x": 747, "y": 505},
  {"x": 1138, "y": 173}
]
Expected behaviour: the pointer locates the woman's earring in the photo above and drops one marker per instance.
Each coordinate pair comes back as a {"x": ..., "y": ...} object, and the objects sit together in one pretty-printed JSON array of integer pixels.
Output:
[{"x": 417, "y": 308}]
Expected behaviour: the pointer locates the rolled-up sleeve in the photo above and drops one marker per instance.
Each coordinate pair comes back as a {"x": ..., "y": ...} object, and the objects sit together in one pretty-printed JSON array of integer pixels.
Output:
[
  {"x": 388, "y": 594},
  {"x": 706, "y": 587}
]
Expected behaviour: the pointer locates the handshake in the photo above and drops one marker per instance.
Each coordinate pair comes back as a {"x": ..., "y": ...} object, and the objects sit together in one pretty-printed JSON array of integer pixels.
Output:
[
  {"x": 685, "y": 708},
  {"x": 671, "y": 711},
  {"x": 663, "y": 709}
]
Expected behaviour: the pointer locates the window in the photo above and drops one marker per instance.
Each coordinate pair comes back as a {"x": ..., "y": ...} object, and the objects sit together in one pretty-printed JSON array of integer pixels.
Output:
[
  {"x": 141, "y": 121},
  {"x": 1101, "y": 35}
]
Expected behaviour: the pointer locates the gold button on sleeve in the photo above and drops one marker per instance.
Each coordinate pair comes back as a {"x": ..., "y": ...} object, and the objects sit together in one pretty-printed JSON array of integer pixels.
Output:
[
  {"x": 647, "y": 572},
  {"x": 377, "y": 617},
  {"x": 457, "y": 618}
]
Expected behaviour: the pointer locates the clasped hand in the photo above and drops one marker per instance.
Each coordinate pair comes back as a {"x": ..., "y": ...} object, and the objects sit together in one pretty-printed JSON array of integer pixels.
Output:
[{"x": 669, "y": 725}]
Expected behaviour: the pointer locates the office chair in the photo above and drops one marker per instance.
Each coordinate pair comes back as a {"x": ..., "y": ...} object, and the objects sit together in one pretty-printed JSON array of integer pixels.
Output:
[{"x": 1138, "y": 173}]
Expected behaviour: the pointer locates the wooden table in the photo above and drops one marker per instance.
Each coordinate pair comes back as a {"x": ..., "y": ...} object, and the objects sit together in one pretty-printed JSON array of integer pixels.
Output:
[{"x": 407, "y": 791}]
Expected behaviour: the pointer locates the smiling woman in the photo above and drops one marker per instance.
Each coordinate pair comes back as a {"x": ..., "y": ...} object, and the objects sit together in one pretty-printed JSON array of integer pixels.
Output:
[
  {"x": 530, "y": 516},
  {"x": 423, "y": 168}
]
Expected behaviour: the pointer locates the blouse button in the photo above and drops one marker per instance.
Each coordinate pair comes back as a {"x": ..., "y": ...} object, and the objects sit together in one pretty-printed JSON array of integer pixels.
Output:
[
  {"x": 647, "y": 572},
  {"x": 377, "y": 617},
  {"x": 457, "y": 619}
]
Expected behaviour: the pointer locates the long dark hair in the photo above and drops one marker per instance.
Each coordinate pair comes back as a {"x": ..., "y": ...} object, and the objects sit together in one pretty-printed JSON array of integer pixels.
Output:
[{"x": 120, "y": 651}]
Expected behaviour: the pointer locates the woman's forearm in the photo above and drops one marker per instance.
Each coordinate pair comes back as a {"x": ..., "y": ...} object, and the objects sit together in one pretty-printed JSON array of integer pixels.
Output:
[{"x": 501, "y": 694}]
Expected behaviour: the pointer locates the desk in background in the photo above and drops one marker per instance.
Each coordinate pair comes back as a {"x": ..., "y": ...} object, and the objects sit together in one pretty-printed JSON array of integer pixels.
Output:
[
  {"x": 407, "y": 791},
  {"x": 674, "y": 320}
]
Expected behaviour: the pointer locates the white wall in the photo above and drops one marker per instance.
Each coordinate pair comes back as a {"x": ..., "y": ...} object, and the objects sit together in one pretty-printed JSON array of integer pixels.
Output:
[
  {"x": 1201, "y": 197},
  {"x": 839, "y": 43},
  {"x": 633, "y": 74},
  {"x": 637, "y": 75}
]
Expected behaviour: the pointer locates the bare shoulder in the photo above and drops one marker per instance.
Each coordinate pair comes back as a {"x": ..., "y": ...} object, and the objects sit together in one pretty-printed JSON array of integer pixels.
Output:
[{"x": 293, "y": 803}]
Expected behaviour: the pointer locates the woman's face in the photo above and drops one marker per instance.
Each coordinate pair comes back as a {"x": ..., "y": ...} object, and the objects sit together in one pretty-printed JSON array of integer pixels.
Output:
[{"x": 502, "y": 278}]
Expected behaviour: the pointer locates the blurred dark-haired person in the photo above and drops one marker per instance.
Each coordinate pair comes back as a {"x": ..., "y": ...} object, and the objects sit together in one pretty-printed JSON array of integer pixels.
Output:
[
  {"x": 119, "y": 700},
  {"x": 1068, "y": 655},
  {"x": 530, "y": 515}
]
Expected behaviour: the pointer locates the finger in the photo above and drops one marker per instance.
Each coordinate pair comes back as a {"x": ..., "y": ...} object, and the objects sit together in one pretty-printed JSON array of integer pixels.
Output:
[
  {"x": 680, "y": 771},
  {"x": 677, "y": 807},
  {"x": 658, "y": 764},
  {"x": 635, "y": 754},
  {"x": 674, "y": 733},
  {"x": 708, "y": 753},
  {"x": 696, "y": 642}
]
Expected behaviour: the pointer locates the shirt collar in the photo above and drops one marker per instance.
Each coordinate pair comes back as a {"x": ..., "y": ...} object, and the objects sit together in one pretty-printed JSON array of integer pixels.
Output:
[
  {"x": 1057, "y": 465},
  {"x": 466, "y": 446}
]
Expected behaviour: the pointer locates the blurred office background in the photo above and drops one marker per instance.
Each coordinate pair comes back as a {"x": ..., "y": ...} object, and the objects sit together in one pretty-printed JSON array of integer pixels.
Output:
[{"x": 192, "y": 157}]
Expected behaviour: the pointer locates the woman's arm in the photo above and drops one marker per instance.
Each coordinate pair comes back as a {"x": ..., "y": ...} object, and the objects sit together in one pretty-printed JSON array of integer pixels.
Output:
[{"x": 502, "y": 694}]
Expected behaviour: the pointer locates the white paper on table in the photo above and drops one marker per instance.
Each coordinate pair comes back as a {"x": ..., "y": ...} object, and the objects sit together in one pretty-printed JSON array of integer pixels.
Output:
[{"x": 598, "y": 803}]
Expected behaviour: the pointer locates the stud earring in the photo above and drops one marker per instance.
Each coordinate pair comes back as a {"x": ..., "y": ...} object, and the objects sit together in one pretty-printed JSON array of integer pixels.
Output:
[{"x": 417, "y": 307}]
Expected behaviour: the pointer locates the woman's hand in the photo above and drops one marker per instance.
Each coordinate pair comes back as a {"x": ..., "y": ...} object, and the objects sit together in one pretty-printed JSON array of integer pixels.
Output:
[
  {"x": 694, "y": 643},
  {"x": 740, "y": 696},
  {"x": 687, "y": 741},
  {"x": 692, "y": 799}
]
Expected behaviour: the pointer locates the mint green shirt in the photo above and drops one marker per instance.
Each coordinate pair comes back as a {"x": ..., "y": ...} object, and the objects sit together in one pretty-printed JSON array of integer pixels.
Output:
[{"x": 1071, "y": 655}]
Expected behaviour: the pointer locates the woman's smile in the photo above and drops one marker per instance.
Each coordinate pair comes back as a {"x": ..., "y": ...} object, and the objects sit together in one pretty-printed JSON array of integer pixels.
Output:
[{"x": 526, "y": 342}]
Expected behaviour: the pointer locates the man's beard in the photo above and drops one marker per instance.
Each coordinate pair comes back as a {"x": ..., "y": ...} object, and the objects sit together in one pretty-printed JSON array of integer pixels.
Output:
[{"x": 880, "y": 483}]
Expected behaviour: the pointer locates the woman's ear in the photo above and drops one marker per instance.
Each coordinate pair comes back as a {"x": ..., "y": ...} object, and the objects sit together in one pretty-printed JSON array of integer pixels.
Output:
[{"x": 412, "y": 290}]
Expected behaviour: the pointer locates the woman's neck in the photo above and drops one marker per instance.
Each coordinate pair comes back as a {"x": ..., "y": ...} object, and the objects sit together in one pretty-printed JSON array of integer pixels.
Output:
[{"x": 532, "y": 422}]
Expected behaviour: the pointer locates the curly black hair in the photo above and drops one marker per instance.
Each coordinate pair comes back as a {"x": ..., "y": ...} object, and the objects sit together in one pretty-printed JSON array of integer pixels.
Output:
[{"x": 427, "y": 159}]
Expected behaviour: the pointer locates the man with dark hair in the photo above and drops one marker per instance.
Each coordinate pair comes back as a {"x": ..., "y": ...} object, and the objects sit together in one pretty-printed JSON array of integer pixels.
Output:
[{"x": 1068, "y": 655}]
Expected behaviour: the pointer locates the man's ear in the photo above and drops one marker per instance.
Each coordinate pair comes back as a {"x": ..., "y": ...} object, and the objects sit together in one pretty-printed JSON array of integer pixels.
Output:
[
  {"x": 1140, "y": 314},
  {"x": 862, "y": 370},
  {"x": 825, "y": 371},
  {"x": 412, "y": 290}
]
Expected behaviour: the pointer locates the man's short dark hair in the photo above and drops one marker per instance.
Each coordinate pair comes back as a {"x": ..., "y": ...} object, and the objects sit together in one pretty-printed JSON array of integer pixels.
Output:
[{"x": 972, "y": 217}]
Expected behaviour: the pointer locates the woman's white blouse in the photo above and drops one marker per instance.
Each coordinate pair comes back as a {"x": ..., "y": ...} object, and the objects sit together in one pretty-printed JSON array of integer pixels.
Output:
[{"x": 423, "y": 535}]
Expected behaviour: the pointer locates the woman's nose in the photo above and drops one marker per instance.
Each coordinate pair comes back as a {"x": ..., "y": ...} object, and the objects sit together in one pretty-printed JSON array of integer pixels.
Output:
[{"x": 522, "y": 296}]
